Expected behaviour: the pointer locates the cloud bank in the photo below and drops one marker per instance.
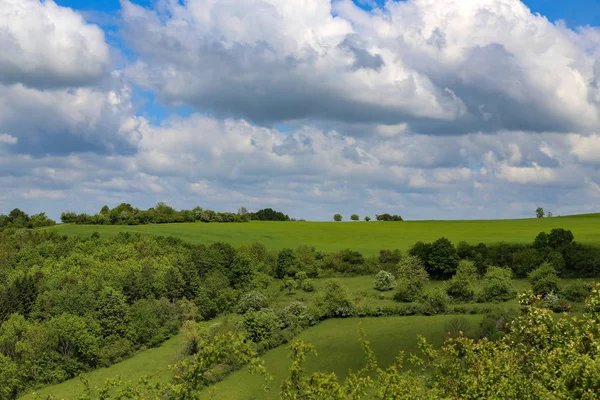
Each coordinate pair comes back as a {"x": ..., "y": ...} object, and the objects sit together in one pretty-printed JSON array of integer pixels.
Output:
[{"x": 430, "y": 109}]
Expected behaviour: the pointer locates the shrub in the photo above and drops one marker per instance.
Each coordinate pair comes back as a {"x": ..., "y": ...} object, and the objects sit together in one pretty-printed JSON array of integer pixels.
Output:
[
  {"x": 461, "y": 286},
  {"x": 308, "y": 285},
  {"x": 296, "y": 316},
  {"x": 253, "y": 301},
  {"x": 389, "y": 256},
  {"x": 335, "y": 301},
  {"x": 496, "y": 323},
  {"x": 407, "y": 291},
  {"x": 497, "y": 285},
  {"x": 384, "y": 281},
  {"x": 115, "y": 352},
  {"x": 544, "y": 279},
  {"x": 577, "y": 291},
  {"x": 555, "y": 303},
  {"x": 412, "y": 278},
  {"x": 436, "y": 300},
  {"x": 288, "y": 284},
  {"x": 259, "y": 325}
]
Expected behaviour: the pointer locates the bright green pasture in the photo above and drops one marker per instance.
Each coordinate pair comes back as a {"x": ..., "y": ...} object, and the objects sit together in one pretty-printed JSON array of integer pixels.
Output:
[
  {"x": 339, "y": 350},
  {"x": 366, "y": 237}
]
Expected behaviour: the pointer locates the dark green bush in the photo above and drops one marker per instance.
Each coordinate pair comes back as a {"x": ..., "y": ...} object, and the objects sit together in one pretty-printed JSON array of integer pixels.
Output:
[
  {"x": 577, "y": 291},
  {"x": 544, "y": 280}
]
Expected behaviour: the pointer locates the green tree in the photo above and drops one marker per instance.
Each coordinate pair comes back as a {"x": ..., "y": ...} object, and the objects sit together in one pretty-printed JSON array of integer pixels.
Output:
[
  {"x": 335, "y": 300},
  {"x": 337, "y": 217},
  {"x": 76, "y": 340},
  {"x": 354, "y": 217},
  {"x": 411, "y": 279},
  {"x": 242, "y": 271},
  {"x": 462, "y": 284},
  {"x": 559, "y": 238},
  {"x": 525, "y": 261},
  {"x": 367, "y": 218},
  {"x": 112, "y": 312},
  {"x": 544, "y": 279},
  {"x": 289, "y": 284},
  {"x": 442, "y": 258},
  {"x": 286, "y": 263},
  {"x": 539, "y": 212},
  {"x": 497, "y": 285}
]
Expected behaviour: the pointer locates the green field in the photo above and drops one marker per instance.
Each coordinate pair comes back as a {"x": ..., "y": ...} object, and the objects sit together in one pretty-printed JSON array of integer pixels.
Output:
[
  {"x": 366, "y": 237},
  {"x": 338, "y": 348}
]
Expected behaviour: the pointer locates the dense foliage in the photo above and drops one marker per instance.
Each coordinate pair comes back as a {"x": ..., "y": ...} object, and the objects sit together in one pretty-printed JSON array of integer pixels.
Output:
[
  {"x": 162, "y": 213},
  {"x": 388, "y": 217},
  {"x": 268, "y": 214},
  {"x": 20, "y": 219},
  {"x": 557, "y": 248},
  {"x": 69, "y": 305},
  {"x": 539, "y": 358},
  {"x": 527, "y": 356}
]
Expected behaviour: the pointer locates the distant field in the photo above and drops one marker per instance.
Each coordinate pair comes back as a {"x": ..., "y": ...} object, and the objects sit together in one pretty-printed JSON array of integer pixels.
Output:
[
  {"x": 339, "y": 350},
  {"x": 366, "y": 237}
]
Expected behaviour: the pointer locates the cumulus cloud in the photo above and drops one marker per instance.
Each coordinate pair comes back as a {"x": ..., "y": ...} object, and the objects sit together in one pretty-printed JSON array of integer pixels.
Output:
[
  {"x": 430, "y": 109},
  {"x": 57, "y": 95},
  {"x": 45, "y": 45},
  {"x": 443, "y": 67}
]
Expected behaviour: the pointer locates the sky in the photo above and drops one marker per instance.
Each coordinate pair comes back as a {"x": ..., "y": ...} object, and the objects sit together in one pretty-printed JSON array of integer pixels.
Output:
[{"x": 431, "y": 109}]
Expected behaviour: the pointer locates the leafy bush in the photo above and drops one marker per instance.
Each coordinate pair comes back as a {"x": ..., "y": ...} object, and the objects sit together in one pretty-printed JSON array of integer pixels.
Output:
[
  {"x": 577, "y": 291},
  {"x": 497, "y": 286},
  {"x": 544, "y": 279},
  {"x": 115, "y": 351},
  {"x": 407, "y": 291},
  {"x": 437, "y": 301},
  {"x": 253, "y": 300},
  {"x": 496, "y": 323},
  {"x": 259, "y": 325},
  {"x": 462, "y": 285},
  {"x": 555, "y": 303},
  {"x": 411, "y": 281},
  {"x": 335, "y": 301},
  {"x": 384, "y": 281}
]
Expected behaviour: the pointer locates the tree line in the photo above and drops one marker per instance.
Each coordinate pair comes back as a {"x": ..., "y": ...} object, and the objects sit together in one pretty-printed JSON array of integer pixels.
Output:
[
  {"x": 20, "y": 219},
  {"x": 379, "y": 217},
  {"x": 162, "y": 213}
]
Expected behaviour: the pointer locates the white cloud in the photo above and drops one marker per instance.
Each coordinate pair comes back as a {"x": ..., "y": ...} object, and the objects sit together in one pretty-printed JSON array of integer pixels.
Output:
[
  {"x": 44, "y": 194},
  {"x": 7, "y": 139},
  {"x": 45, "y": 45},
  {"x": 442, "y": 67}
]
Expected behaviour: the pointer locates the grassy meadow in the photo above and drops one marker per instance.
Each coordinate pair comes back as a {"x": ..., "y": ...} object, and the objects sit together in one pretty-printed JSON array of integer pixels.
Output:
[
  {"x": 339, "y": 350},
  {"x": 336, "y": 342},
  {"x": 366, "y": 237}
]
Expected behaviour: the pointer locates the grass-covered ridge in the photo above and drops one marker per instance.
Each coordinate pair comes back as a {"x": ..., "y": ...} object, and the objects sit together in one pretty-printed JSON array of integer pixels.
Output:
[{"x": 365, "y": 237}]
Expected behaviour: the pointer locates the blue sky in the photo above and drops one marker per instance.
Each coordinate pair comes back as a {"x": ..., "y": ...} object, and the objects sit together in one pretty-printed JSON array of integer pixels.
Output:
[
  {"x": 580, "y": 12},
  {"x": 448, "y": 109}
]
